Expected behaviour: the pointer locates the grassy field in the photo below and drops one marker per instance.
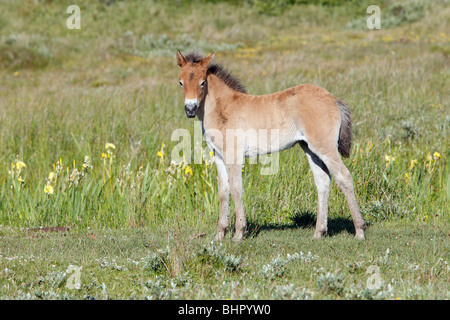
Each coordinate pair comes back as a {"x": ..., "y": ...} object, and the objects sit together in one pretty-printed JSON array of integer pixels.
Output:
[
  {"x": 86, "y": 118},
  {"x": 277, "y": 262}
]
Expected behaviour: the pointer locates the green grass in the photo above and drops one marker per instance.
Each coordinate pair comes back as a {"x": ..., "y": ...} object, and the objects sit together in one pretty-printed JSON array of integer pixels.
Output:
[
  {"x": 65, "y": 93},
  {"x": 273, "y": 263}
]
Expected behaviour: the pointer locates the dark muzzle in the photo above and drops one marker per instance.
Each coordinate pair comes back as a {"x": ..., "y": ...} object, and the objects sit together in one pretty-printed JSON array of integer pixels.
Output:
[{"x": 191, "y": 109}]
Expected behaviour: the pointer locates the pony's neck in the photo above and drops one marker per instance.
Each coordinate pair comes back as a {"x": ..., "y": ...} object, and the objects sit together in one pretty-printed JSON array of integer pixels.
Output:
[{"x": 216, "y": 95}]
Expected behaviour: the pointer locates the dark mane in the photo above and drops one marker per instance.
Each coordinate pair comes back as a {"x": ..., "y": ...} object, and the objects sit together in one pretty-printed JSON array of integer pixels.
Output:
[{"x": 218, "y": 70}]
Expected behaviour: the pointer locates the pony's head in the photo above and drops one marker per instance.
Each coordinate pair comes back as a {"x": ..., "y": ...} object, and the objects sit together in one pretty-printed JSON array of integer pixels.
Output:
[{"x": 193, "y": 80}]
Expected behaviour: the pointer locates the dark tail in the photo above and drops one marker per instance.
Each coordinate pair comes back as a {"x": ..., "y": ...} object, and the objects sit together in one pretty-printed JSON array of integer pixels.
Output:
[{"x": 345, "y": 133}]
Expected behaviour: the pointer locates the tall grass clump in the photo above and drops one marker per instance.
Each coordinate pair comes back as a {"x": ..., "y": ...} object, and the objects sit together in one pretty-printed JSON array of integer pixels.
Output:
[{"x": 18, "y": 51}]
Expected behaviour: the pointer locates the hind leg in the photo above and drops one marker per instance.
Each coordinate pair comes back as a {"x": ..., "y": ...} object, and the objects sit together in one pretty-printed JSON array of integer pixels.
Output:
[
  {"x": 322, "y": 181},
  {"x": 344, "y": 181}
]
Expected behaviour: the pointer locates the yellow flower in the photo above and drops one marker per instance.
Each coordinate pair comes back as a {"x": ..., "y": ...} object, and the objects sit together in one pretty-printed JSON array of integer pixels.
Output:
[
  {"x": 16, "y": 73},
  {"x": 109, "y": 146},
  {"x": 407, "y": 176},
  {"x": 161, "y": 153},
  {"x": 388, "y": 159},
  {"x": 20, "y": 164},
  {"x": 20, "y": 179},
  {"x": 87, "y": 163},
  {"x": 104, "y": 155},
  {"x": 48, "y": 189},
  {"x": 188, "y": 170},
  {"x": 412, "y": 163},
  {"x": 437, "y": 155},
  {"x": 211, "y": 154},
  {"x": 51, "y": 176},
  {"x": 387, "y": 38}
]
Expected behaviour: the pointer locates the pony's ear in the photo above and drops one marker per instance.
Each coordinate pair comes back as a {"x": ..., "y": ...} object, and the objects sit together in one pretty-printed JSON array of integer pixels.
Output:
[
  {"x": 207, "y": 60},
  {"x": 181, "y": 60}
]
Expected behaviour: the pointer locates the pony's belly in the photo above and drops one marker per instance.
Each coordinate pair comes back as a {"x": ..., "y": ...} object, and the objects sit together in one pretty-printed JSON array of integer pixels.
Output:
[
  {"x": 276, "y": 143},
  {"x": 239, "y": 143}
]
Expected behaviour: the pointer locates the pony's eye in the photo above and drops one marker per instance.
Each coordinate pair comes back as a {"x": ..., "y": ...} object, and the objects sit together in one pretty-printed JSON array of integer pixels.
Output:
[
  {"x": 181, "y": 83},
  {"x": 202, "y": 84}
]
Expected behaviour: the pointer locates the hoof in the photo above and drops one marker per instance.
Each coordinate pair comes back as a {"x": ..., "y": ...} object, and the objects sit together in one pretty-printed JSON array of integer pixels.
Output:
[
  {"x": 360, "y": 235},
  {"x": 319, "y": 234},
  {"x": 219, "y": 237},
  {"x": 237, "y": 238}
]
